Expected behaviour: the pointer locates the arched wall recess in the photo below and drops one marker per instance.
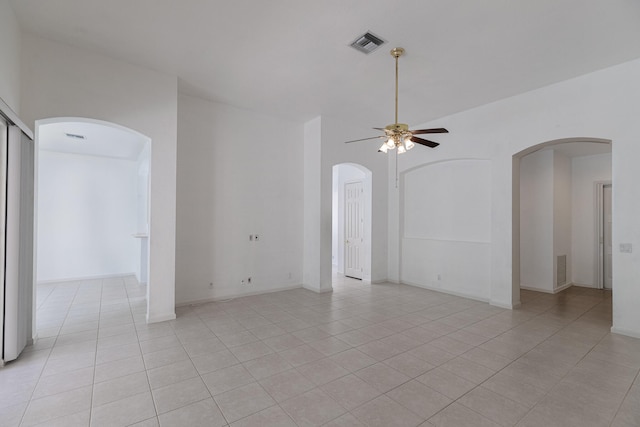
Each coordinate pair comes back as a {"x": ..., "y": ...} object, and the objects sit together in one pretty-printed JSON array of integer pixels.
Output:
[{"x": 445, "y": 221}]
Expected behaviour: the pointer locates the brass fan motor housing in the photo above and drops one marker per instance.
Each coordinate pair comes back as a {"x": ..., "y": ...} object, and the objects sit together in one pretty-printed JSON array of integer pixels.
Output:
[{"x": 397, "y": 128}]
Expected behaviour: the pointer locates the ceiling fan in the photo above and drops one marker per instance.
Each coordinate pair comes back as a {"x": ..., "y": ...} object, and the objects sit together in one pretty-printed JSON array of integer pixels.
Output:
[{"x": 398, "y": 135}]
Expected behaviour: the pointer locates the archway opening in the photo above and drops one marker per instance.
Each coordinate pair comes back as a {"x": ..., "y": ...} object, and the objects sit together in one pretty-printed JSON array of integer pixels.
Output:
[
  {"x": 556, "y": 217},
  {"x": 92, "y": 222},
  {"x": 351, "y": 224}
]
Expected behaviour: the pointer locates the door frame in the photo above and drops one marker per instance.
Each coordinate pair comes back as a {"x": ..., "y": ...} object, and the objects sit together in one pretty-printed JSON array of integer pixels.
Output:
[
  {"x": 344, "y": 221},
  {"x": 515, "y": 207},
  {"x": 337, "y": 212},
  {"x": 599, "y": 243}
]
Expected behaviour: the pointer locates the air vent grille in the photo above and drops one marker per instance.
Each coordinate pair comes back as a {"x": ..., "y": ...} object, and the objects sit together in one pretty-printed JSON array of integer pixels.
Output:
[{"x": 367, "y": 43}]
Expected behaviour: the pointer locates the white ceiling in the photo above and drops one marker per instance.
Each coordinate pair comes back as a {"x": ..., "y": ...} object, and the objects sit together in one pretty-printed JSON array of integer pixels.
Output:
[
  {"x": 100, "y": 140},
  {"x": 291, "y": 57}
]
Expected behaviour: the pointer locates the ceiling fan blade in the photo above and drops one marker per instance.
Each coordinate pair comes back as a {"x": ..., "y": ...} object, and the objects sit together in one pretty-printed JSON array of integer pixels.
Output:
[
  {"x": 363, "y": 139},
  {"x": 424, "y": 142},
  {"x": 435, "y": 130}
]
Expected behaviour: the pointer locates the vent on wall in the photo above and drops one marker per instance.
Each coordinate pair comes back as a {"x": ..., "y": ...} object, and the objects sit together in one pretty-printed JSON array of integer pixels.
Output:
[
  {"x": 561, "y": 271},
  {"x": 75, "y": 136},
  {"x": 367, "y": 43}
]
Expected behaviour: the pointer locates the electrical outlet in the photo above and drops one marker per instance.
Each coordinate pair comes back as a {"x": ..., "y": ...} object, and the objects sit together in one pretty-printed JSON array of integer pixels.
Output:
[
  {"x": 251, "y": 237},
  {"x": 249, "y": 280},
  {"x": 626, "y": 248},
  {"x": 242, "y": 282}
]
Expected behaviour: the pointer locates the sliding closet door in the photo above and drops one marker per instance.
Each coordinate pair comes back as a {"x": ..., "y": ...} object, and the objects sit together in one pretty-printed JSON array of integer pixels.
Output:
[
  {"x": 27, "y": 241},
  {"x": 3, "y": 224},
  {"x": 18, "y": 274}
]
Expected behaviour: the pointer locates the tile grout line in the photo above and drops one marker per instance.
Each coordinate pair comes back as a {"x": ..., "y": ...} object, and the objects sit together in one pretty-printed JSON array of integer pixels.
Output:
[
  {"x": 95, "y": 358},
  {"x": 31, "y": 399}
]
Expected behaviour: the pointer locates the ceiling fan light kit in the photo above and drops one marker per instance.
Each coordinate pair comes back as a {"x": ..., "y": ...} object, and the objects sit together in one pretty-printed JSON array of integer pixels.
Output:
[{"x": 398, "y": 135}]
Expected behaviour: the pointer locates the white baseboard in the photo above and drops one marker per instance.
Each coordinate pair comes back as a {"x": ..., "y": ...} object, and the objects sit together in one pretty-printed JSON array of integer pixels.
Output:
[
  {"x": 508, "y": 306},
  {"x": 626, "y": 332},
  {"x": 546, "y": 291},
  {"x": 317, "y": 291},
  {"x": 446, "y": 291},
  {"x": 500, "y": 304},
  {"x": 161, "y": 318},
  {"x": 562, "y": 288},
  {"x": 531, "y": 288},
  {"x": 78, "y": 279},
  {"x": 237, "y": 295},
  {"x": 580, "y": 285}
]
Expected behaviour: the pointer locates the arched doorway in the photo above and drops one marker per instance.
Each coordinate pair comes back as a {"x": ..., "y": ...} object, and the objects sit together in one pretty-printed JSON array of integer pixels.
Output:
[
  {"x": 92, "y": 207},
  {"x": 555, "y": 222},
  {"x": 351, "y": 222}
]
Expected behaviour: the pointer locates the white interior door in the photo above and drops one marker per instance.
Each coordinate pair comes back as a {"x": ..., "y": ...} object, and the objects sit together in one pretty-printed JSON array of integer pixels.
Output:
[
  {"x": 3, "y": 224},
  {"x": 608, "y": 245},
  {"x": 353, "y": 229}
]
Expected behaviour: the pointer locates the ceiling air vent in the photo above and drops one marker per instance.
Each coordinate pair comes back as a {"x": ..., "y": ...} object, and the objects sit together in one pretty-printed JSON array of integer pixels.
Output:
[
  {"x": 75, "y": 136},
  {"x": 367, "y": 43}
]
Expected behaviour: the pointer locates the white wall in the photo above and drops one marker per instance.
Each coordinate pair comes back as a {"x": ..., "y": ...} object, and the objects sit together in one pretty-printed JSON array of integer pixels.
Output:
[
  {"x": 545, "y": 219},
  {"x": 142, "y": 185},
  {"x": 586, "y": 171},
  {"x": 536, "y": 220},
  {"x": 63, "y": 81},
  {"x": 86, "y": 214},
  {"x": 446, "y": 226},
  {"x": 561, "y": 216},
  {"x": 602, "y": 105},
  {"x": 239, "y": 173},
  {"x": 314, "y": 276},
  {"x": 10, "y": 40},
  {"x": 334, "y": 217}
]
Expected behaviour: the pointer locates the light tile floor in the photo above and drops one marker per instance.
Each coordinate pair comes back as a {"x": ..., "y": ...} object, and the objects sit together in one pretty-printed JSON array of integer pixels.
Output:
[{"x": 375, "y": 355}]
